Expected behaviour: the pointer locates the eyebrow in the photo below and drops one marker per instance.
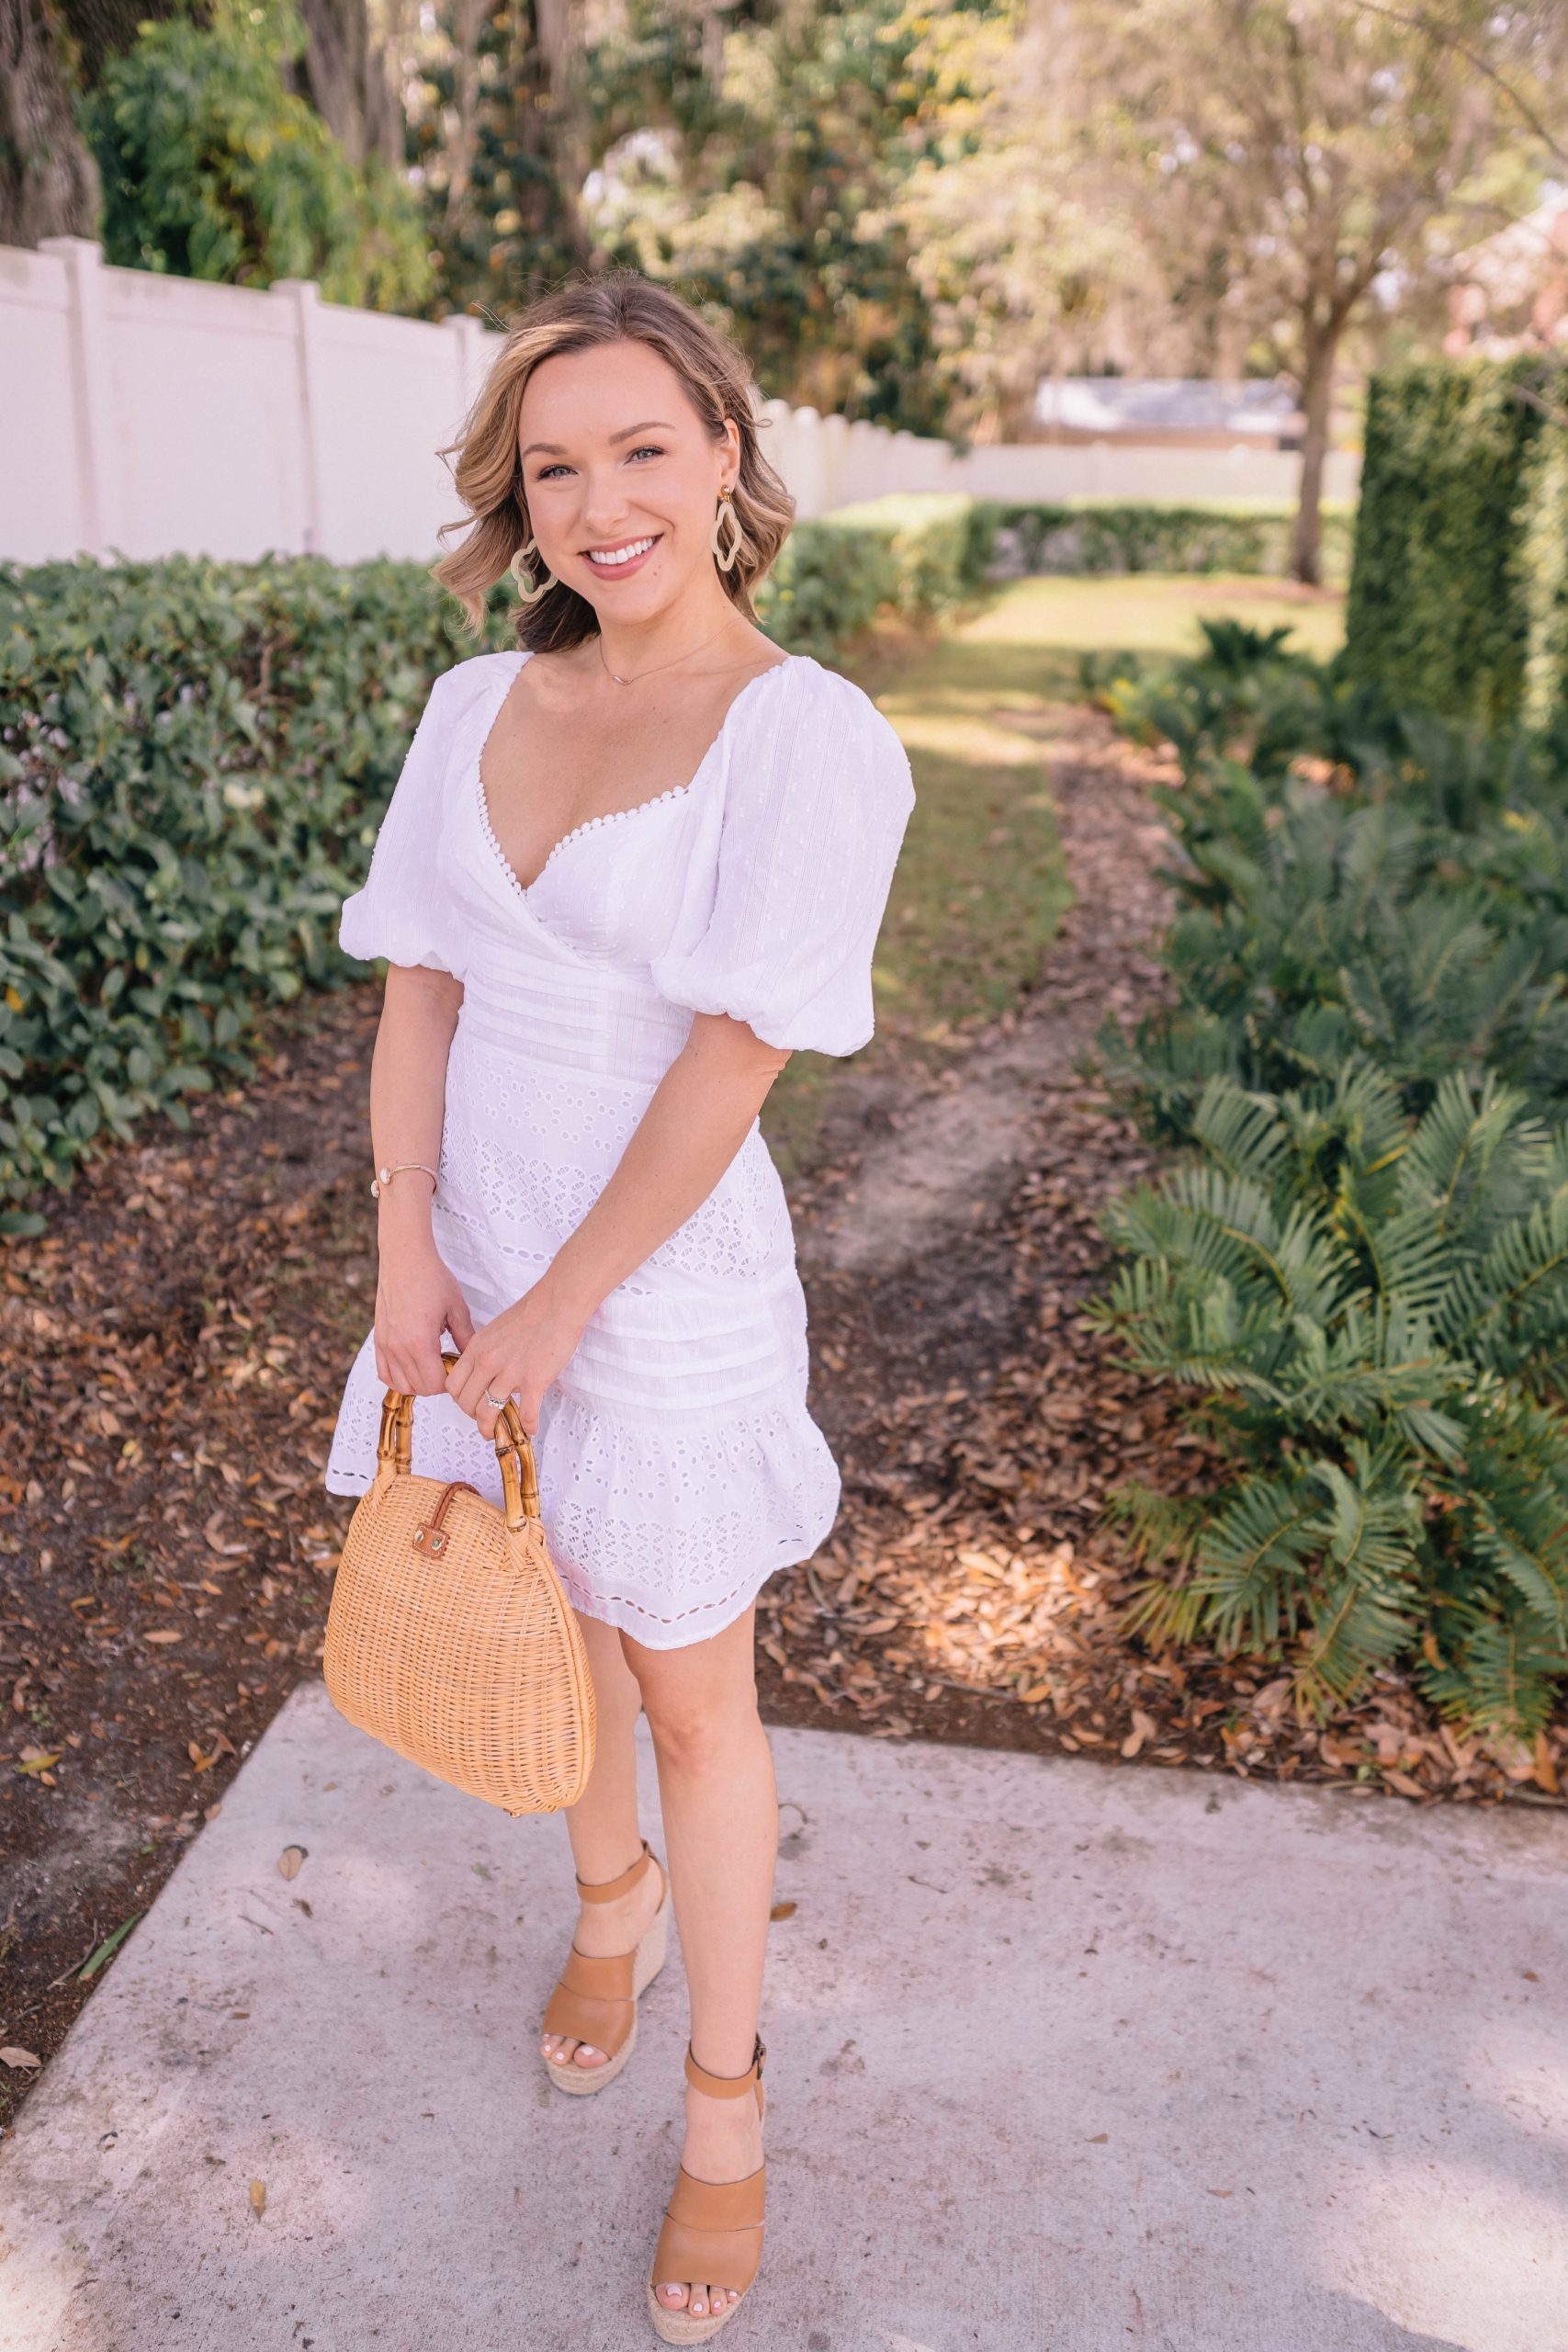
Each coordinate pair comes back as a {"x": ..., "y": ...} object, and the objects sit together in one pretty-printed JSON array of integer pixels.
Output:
[{"x": 554, "y": 450}]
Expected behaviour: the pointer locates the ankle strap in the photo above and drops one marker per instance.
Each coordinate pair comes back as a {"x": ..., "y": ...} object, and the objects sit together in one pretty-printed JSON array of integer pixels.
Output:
[
  {"x": 724, "y": 2085},
  {"x": 607, "y": 1890}
]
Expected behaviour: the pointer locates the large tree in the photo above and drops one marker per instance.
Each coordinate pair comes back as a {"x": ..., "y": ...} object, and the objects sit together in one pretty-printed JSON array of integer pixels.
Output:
[
  {"x": 1210, "y": 187},
  {"x": 352, "y": 72},
  {"x": 753, "y": 157},
  {"x": 212, "y": 167},
  {"x": 1323, "y": 149},
  {"x": 49, "y": 184},
  {"x": 1029, "y": 263},
  {"x": 502, "y": 141}
]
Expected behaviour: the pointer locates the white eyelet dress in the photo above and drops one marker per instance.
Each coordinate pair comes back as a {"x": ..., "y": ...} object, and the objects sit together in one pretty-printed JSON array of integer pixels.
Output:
[{"x": 678, "y": 1464}]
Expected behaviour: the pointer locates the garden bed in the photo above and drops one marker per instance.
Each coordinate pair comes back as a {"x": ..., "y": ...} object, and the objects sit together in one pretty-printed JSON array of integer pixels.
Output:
[{"x": 173, "y": 1351}]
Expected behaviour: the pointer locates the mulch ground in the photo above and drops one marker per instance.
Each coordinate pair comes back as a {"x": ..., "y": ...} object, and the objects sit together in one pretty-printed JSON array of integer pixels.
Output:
[{"x": 171, "y": 1356}]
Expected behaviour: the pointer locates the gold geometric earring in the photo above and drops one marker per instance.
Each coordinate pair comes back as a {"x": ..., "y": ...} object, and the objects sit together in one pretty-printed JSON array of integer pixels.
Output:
[
  {"x": 528, "y": 560},
  {"x": 724, "y": 558}
]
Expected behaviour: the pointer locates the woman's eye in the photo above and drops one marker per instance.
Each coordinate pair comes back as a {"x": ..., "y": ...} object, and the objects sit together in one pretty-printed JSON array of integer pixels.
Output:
[
  {"x": 545, "y": 471},
  {"x": 648, "y": 449}
]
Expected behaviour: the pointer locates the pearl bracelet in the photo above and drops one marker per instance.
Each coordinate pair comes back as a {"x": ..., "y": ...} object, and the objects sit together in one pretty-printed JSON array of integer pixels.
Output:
[{"x": 384, "y": 1176}]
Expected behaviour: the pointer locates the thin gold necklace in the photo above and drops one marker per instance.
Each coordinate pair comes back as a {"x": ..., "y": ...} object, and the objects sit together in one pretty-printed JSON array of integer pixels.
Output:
[{"x": 691, "y": 652}]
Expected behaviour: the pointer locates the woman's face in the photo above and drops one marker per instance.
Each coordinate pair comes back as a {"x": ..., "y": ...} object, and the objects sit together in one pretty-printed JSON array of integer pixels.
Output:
[{"x": 622, "y": 479}]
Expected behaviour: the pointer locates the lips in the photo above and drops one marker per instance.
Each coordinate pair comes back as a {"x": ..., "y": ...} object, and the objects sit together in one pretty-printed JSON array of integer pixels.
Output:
[{"x": 619, "y": 562}]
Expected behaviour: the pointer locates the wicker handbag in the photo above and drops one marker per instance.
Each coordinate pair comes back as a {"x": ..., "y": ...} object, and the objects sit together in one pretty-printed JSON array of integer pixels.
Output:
[{"x": 449, "y": 1638}]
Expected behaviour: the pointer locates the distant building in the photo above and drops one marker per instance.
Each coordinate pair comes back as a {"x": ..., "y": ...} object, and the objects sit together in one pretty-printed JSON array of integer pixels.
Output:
[{"x": 1168, "y": 412}]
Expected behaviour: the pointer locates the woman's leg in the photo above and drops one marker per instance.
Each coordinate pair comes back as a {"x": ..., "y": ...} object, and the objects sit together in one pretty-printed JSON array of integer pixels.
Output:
[
  {"x": 721, "y": 1823},
  {"x": 603, "y": 1825}
]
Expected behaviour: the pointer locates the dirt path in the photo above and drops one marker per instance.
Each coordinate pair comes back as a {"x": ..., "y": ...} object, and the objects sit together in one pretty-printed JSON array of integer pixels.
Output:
[{"x": 947, "y": 1159}]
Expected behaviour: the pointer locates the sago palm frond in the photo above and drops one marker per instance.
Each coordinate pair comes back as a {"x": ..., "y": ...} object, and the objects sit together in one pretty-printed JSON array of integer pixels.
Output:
[
  {"x": 1203, "y": 1336},
  {"x": 1502, "y": 1677},
  {"x": 1515, "y": 1301},
  {"x": 1250, "y": 1556},
  {"x": 1456, "y": 1145},
  {"x": 1355, "y": 1628},
  {"x": 1408, "y": 1259},
  {"x": 1378, "y": 1364},
  {"x": 1233, "y": 1225},
  {"x": 1243, "y": 1133}
]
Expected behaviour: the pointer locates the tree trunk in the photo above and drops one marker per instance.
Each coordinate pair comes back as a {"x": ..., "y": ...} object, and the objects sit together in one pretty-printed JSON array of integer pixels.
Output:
[
  {"x": 463, "y": 139},
  {"x": 49, "y": 182},
  {"x": 1317, "y": 395},
  {"x": 560, "y": 28},
  {"x": 349, "y": 74},
  {"x": 336, "y": 42},
  {"x": 104, "y": 30}
]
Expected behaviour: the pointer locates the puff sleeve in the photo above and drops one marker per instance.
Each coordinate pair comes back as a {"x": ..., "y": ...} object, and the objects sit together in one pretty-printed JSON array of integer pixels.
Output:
[
  {"x": 406, "y": 911},
  {"x": 817, "y": 796}
]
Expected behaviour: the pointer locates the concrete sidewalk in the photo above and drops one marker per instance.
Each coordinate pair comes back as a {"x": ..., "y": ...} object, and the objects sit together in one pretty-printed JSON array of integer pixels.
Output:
[{"x": 1059, "y": 2056}]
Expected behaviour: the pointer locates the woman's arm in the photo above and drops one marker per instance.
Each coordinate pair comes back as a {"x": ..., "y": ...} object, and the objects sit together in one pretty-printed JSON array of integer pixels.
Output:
[
  {"x": 696, "y": 1121},
  {"x": 417, "y": 1296}
]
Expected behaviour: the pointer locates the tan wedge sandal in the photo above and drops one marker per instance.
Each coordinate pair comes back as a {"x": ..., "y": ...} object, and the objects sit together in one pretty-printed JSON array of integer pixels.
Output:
[
  {"x": 595, "y": 2000},
  {"x": 713, "y": 2229}
]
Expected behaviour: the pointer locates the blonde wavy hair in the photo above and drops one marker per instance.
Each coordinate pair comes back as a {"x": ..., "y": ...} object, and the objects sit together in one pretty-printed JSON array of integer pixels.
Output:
[{"x": 620, "y": 307}]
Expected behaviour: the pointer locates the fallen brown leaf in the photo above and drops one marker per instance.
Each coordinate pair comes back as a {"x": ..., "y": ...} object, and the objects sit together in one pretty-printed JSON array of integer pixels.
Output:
[{"x": 1545, "y": 1764}]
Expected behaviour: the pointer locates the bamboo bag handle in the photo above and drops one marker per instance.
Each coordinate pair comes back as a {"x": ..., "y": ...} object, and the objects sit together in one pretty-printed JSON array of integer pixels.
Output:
[{"x": 513, "y": 1448}]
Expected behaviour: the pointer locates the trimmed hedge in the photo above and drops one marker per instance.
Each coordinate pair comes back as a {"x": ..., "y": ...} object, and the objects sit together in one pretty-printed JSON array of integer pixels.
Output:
[
  {"x": 192, "y": 758},
  {"x": 1095, "y": 535},
  {"x": 194, "y": 761},
  {"x": 1458, "y": 602},
  {"x": 917, "y": 556},
  {"x": 1356, "y": 1263}
]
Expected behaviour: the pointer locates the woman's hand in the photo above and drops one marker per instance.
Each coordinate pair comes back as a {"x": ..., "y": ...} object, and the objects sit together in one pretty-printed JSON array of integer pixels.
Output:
[
  {"x": 519, "y": 1354},
  {"x": 417, "y": 1298}
]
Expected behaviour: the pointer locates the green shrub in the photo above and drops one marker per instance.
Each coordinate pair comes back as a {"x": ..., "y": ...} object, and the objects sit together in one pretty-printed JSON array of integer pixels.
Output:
[
  {"x": 1458, "y": 601},
  {"x": 194, "y": 761},
  {"x": 1101, "y": 534},
  {"x": 1406, "y": 897},
  {"x": 918, "y": 556},
  {"x": 1371, "y": 1311},
  {"x": 1359, "y": 1260},
  {"x": 213, "y": 167}
]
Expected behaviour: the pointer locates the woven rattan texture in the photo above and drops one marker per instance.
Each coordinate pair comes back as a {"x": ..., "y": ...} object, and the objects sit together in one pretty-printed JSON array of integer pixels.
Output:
[{"x": 462, "y": 1654}]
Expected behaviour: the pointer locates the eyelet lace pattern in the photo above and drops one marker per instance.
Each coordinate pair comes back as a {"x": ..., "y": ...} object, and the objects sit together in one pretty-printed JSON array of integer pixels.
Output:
[
  {"x": 667, "y": 1535},
  {"x": 679, "y": 1465},
  {"x": 525, "y": 890}
]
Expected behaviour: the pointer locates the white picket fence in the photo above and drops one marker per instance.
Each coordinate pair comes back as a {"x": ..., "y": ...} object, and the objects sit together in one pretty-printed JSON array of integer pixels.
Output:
[{"x": 146, "y": 416}]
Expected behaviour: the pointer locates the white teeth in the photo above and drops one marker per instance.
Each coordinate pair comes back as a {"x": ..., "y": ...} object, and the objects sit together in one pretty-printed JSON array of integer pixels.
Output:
[{"x": 619, "y": 555}]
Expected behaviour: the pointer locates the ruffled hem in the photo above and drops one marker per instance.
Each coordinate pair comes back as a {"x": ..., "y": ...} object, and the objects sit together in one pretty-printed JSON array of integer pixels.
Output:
[{"x": 629, "y": 1509}]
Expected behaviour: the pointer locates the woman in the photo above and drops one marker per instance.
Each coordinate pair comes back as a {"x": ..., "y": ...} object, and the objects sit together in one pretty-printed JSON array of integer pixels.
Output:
[{"x": 626, "y": 872}]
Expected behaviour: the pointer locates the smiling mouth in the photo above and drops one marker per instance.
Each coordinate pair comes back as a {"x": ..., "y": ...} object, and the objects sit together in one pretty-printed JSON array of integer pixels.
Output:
[{"x": 621, "y": 558}]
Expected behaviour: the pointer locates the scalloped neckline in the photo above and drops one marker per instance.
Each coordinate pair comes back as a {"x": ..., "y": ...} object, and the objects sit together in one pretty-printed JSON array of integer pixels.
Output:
[{"x": 525, "y": 890}]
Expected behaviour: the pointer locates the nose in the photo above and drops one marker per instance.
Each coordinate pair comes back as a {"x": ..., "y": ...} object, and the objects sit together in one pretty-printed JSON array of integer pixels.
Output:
[{"x": 604, "y": 504}]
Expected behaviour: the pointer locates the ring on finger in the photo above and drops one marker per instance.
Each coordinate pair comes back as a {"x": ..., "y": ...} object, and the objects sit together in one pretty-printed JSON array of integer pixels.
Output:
[{"x": 495, "y": 1403}]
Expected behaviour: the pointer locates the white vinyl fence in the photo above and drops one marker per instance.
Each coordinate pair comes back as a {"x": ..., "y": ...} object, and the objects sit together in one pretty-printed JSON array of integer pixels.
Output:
[{"x": 143, "y": 417}]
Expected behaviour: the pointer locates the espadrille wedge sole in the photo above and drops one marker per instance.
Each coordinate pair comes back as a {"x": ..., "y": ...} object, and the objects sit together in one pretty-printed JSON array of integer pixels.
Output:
[
  {"x": 595, "y": 1999},
  {"x": 713, "y": 2229}
]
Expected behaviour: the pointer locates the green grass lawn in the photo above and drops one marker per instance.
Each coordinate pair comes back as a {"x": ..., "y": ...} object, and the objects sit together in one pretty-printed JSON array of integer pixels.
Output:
[
  {"x": 981, "y": 886},
  {"x": 1151, "y": 613}
]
